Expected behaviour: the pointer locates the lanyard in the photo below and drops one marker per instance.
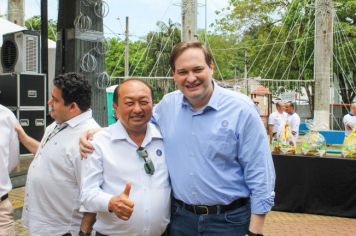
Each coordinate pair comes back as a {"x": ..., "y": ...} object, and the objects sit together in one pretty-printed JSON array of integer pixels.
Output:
[{"x": 55, "y": 131}]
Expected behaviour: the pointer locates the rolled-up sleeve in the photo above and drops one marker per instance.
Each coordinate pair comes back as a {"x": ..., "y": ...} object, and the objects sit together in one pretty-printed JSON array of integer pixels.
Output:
[
  {"x": 255, "y": 157},
  {"x": 93, "y": 198}
]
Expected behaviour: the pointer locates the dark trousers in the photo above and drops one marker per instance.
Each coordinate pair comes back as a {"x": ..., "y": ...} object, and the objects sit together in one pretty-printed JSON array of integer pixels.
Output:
[
  {"x": 99, "y": 234},
  {"x": 234, "y": 222}
]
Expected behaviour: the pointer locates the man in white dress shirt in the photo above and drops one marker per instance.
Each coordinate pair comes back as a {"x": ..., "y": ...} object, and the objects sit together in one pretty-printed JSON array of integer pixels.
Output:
[
  {"x": 126, "y": 180},
  {"x": 293, "y": 120},
  {"x": 349, "y": 119},
  {"x": 52, "y": 200},
  {"x": 276, "y": 119},
  {"x": 9, "y": 157}
]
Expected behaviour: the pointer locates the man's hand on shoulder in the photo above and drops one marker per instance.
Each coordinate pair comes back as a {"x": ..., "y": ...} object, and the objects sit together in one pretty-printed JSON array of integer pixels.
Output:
[
  {"x": 121, "y": 205},
  {"x": 86, "y": 147}
]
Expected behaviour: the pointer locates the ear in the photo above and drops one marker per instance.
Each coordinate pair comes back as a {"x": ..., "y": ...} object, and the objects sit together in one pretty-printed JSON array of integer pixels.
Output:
[
  {"x": 212, "y": 68},
  {"x": 73, "y": 107}
]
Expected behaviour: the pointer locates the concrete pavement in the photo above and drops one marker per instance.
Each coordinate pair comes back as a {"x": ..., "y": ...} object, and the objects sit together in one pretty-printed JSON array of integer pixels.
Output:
[{"x": 277, "y": 223}]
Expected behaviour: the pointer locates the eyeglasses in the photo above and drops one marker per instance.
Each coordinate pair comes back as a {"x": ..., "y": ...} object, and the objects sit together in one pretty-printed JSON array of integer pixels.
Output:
[{"x": 149, "y": 167}]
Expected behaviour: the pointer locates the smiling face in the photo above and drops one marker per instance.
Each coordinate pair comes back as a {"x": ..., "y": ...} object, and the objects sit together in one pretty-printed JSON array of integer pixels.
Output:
[
  {"x": 134, "y": 106},
  {"x": 193, "y": 77}
]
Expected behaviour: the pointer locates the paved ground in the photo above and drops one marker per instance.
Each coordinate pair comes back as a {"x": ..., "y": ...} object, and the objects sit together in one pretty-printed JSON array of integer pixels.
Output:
[{"x": 277, "y": 224}]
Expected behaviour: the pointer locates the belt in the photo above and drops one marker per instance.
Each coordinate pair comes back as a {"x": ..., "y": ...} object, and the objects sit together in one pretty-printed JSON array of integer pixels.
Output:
[
  {"x": 99, "y": 234},
  {"x": 215, "y": 209},
  {"x": 4, "y": 197}
]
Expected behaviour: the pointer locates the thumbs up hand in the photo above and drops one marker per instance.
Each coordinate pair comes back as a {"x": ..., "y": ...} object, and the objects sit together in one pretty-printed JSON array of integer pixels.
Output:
[{"x": 121, "y": 205}]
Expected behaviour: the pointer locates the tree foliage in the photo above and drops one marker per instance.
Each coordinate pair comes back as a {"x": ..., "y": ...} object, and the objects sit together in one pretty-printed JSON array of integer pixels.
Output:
[
  {"x": 279, "y": 39},
  {"x": 34, "y": 23}
]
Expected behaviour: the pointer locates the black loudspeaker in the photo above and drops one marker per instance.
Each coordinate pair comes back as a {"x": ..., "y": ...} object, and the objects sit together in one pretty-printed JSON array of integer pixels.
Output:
[
  {"x": 25, "y": 95},
  {"x": 22, "y": 90},
  {"x": 33, "y": 122}
]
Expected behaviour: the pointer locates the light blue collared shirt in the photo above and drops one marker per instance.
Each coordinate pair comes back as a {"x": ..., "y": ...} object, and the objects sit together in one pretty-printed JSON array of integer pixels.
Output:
[{"x": 219, "y": 153}]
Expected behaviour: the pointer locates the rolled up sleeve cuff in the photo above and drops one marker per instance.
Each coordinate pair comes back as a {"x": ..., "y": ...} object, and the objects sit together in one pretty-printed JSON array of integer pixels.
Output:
[
  {"x": 262, "y": 206},
  {"x": 99, "y": 203},
  {"x": 103, "y": 202}
]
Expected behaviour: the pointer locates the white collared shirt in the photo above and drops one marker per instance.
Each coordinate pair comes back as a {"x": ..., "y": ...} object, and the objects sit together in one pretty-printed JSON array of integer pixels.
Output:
[
  {"x": 9, "y": 148},
  {"x": 114, "y": 163},
  {"x": 349, "y": 123},
  {"x": 52, "y": 199},
  {"x": 294, "y": 122},
  {"x": 277, "y": 119}
]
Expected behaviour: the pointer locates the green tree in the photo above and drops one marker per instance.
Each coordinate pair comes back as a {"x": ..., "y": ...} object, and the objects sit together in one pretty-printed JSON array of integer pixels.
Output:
[
  {"x": 279, "y": 38},
  {"x": 160, "y": 46},
  {"x": 344, "y": 49},
  {"x": 115, "y": 62},
  {"x": 34, "y": 23}
]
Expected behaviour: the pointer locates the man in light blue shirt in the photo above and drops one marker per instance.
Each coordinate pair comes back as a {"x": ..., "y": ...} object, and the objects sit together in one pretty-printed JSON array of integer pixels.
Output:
[{"x": 217, "y": 152}]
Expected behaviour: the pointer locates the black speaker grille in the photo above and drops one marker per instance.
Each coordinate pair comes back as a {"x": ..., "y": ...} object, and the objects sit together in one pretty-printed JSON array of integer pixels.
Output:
[{"x": 8, "y": 55}]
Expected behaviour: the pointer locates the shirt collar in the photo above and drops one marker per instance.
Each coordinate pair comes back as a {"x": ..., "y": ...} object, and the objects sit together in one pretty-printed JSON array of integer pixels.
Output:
[
  {"x": 213, "y": 101},
  {"x": 351, "y": 114},
  {"x": 119, "y": 132},
  {"x": 79, "y": 118}
]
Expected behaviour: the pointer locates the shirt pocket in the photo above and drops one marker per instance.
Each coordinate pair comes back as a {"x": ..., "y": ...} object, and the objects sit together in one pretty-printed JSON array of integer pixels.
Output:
[
  {"x": 222, "y": 146},
  {"x": 161, "y": 172}
]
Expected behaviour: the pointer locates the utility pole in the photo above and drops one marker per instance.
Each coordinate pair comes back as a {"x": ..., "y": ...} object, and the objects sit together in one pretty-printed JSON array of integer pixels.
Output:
[
  {"x": 189, "y": 20},
  {"x": 79, "y": 30},
  {"x": 15, "y": 12},
  {"x": 127, "y": 48},
  {"x": 323, "y": 53},
  {"x": 245, "y": 71}
]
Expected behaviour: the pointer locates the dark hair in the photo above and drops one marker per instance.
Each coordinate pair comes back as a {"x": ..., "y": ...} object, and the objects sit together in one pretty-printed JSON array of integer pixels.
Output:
[
  {"x": 116, "y": 92},
  {"x": 74, "y": 89},
  {"x": 182, "y": 46},
  {"x": 115, "y": 97},
  {"x": 291, "y": 104}
]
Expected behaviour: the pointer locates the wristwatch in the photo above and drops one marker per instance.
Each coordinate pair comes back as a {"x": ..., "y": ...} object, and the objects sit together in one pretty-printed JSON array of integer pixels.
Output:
[
  {"x": 249, "y": 233},
  {"x": 81, "y": 233}
]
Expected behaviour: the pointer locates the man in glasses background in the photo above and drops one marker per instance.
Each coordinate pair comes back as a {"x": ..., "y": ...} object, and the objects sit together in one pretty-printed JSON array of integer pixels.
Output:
[
  {"x": 52, "y": 199},
  {"x": 126, "y": 180}
]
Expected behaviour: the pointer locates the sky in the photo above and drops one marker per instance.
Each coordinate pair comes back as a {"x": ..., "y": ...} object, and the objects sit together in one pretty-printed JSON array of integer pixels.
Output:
[{"x": 143, "y": 14}]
